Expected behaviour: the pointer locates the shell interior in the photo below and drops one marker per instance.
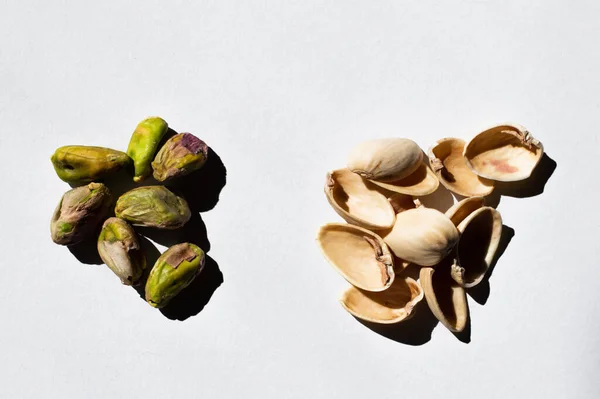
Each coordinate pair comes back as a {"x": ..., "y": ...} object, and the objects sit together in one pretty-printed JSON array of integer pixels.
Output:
[
  {"x": 447, "y": 161},
  {"x": 480, "y": 236},
  {"x": 459, "y": 211},
  {"x": 358, "y": 201},
  {"x": 503, "y": 153},
  {"x": 359, "y": 255},
  {"x": 421, "y": 182},
  {"x": 390, "y": 306}
]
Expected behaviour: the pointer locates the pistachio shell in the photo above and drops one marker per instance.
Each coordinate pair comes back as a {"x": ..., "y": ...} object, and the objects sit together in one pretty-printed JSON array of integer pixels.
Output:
[
  {"x": 447, "y": 161},
  {"x": 421, "y": 182},
  {"x": 387, "y": 307},
  {"x": 358, "y": 201},
  {"x": 423, "y": 236},
  {"x": 401, "y": 202},
  {"x": 385, "y": 160},
  {"x": 480, "y": 236},
  {"x": 446, "y": 299},
  {"x": 359, "y": 255},
  {"x": 504, "y": 153},
  {"x": 459, "y": 211}
]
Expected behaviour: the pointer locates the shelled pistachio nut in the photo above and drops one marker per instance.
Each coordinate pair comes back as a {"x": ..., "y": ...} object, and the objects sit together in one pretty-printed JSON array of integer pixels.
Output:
[
  {"x": 358, "y": 201},
  {"x": 79, "y": 213},
  {"x": 459, "y": 211},
  {"x": 504, "y": 153},
  {"x": 182, "y": 154},
  {"x": 423, "y": 236},
  {"x": 393, "y": 305},
  {"x": 119, "y": 248},
  {"x": 480, "y": 236},
  {"x": 174, "y": 270},
  {"x": 359, "y": 255},
  {"x": 385, "y": 160},
  {"x": 447, "y": 162},
  {"x": 143, "y": 145},
  {"x": 446, "y": 299},
  {"x": 153, "y": 206},
  {"x": 78, "y": 164}
]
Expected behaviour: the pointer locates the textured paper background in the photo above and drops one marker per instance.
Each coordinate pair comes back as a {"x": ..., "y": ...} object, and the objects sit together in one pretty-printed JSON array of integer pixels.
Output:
[{"x": 281, "y": 91}]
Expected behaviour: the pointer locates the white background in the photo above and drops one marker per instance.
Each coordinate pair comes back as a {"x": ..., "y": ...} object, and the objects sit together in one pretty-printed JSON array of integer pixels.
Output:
[{"x": 282, "y": 91}]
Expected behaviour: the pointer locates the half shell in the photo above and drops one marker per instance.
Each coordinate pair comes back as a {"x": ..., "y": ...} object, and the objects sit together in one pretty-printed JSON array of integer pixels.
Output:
[
  {"x": 422, "y": 235},
  {"x": 387, "y": 307},
  {"x": 459, "y": 211},
  {"x": 480, "y": 236},
  {"x": 359, "y": 255},
  {"x": 446, "y": 299},
  {"x": 388, "y": 159},
  {"x": 504, "y": 153},
  {"x": 421, "y": 182},
  {"x": 358, "y": 201},
  {"x": 447, "y": 161}
]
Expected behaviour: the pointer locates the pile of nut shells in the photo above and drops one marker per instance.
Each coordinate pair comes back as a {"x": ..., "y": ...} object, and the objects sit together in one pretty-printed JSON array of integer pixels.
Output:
[
  {"x": 83, "y": 212},
  {"x": 388, "y": 229}
]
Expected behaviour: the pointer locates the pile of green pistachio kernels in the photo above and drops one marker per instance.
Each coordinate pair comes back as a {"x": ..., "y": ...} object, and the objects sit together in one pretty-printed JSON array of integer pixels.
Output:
[{"x": 84, "y": 212}]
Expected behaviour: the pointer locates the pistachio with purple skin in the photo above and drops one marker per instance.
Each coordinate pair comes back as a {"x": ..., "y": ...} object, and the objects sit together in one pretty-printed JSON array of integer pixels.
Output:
[{"x": 182, "y": 154}]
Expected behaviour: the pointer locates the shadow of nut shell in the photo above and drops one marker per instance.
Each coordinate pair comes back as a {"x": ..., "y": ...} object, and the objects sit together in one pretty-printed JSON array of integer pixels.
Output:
[
  {"x": 358, "y": 201},
  {"x": 504, "y": 153},
  {"x": 446, "y": 299},
  {"x": 388, "y": 159},
  {"x": 120, "y": 250},
  {"x": 173, "y": 271},
  {"x": 182, "y": 154},
  {"x": 79, "y": 213},
  {"x": 423, "y": 236},
  {"x": 459, "y": 211},
  {"x": 391, "y": 306},
  {"x": 153, "y": 206},
  {"x": 359, "y": 255},
  {"x": 421, "y": 182},
  {"x": 480, "y": 236},
  {"x": 447, "y": 162},
  {"x": 78, "y": 164}
]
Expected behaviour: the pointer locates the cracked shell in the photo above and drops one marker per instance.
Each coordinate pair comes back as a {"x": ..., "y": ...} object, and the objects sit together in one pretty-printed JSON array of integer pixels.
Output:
[
  {"x": 459, "y": 211},
  {"x": 447, "y": 162},
  {"x": 504, "y": 153},
  {"x": 423, "y": 236},
  {"x": 446, "y": 299},
  {"x": 391, "y": 306},
  {"x": 358, "y": 201},
  {"x": 480, "y": 234},
  {"x": 359, "y": 255},
  {"x": 419, "y": 183}
]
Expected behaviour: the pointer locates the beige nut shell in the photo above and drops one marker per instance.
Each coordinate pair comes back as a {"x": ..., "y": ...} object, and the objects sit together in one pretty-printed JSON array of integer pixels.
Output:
[
  {"x": 359, "y": 255},
  {"x": 393, "y": 305},
  {"x": 459, "y": 211},
  {"x": 421, "y": 182},
  {"x": 503, "y": 153},
  {"x": 358, "y": 201}
]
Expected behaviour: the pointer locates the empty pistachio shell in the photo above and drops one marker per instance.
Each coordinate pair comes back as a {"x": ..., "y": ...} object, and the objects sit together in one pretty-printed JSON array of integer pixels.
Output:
[
  {"x": 182, "y": 154},
  {"x": 503, "y": 153},
  {"x": 359, "y": 255},
  {"x": 447, "y": 161},
  {"x": 421, "y": 182},
  {"x": 423, "y": 236},
  {"x": 144, "y": 143},
  {"x": 173, "y": 271},
  {"x": 480, "y": 236},
  {"x": 78, "y": 164},
  {"x": 385, "y": 159},
  {"x": 153, "y": 206},
  {"x": 79, "y": 213},
  {"x": 358, "y": 201},
  {"x": 401, "y": 202},
  {"x": 459, "y": 211},
  {"x": 446, "y": 299},
  {"x": 393, "y": 305},
  {"x": 119, "y": 248}
]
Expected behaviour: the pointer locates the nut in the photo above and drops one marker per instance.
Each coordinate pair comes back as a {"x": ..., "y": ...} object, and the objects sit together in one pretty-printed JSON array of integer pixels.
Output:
[
  {"x": 77, "y": 164},
  {"x": 119, "y": 248},
  {"x": 181, "y": 155},
  {"x": 144, "y": 143},
  {"x": 153, "y": 206}
]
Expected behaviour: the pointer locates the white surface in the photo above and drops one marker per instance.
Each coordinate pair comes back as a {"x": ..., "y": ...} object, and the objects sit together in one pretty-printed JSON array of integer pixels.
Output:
[{"x": 282, "y": 92}]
